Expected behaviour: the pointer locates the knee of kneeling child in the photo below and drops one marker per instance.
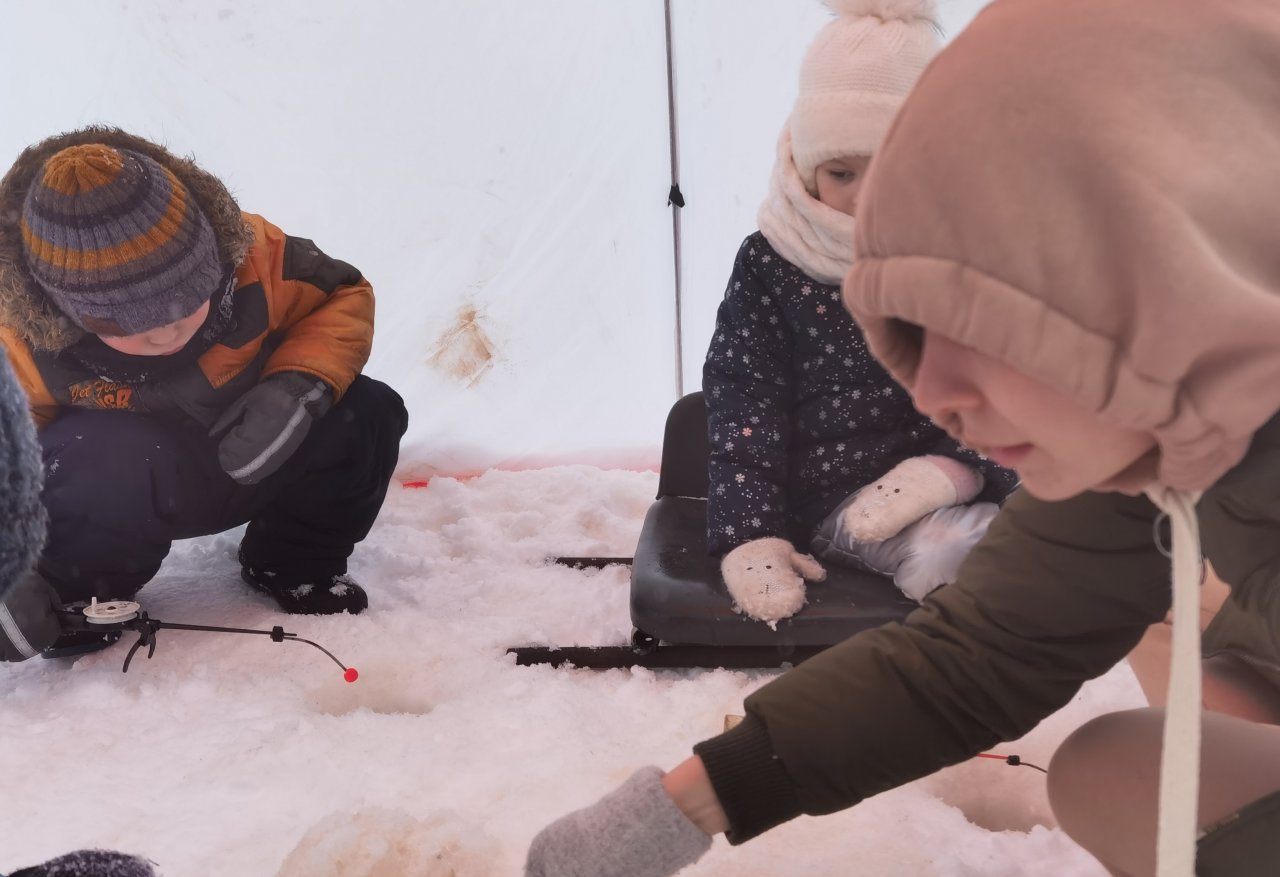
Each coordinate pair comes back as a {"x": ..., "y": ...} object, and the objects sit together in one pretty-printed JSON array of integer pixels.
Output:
[
  {"x": 102, "y": 453},
  {"x": 1088, "y": 772},
  {"x": 376, "y": 405}
]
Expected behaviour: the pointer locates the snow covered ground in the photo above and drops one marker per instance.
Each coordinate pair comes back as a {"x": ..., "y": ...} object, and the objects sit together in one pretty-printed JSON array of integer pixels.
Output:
[{"x": 233, "y": 755}]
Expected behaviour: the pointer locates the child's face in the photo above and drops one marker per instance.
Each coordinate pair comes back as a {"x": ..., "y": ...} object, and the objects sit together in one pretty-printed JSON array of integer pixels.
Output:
[
  {"x": 1058, "y": 448},
  {"x": 162, "y": 340},
  {"x": 839, "y": 180}
]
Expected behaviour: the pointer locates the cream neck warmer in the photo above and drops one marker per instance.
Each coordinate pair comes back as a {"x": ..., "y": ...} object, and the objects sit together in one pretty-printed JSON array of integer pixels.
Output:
[{"x": 815, "y": 238}]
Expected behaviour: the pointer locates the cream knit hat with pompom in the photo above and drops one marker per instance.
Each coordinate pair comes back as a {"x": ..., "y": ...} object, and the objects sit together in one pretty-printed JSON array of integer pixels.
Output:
[{"x": 855, "y": 76}]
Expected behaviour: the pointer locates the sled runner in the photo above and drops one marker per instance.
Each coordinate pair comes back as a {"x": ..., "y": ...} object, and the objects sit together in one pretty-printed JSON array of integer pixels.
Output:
[{"x": 680, "y": 608}]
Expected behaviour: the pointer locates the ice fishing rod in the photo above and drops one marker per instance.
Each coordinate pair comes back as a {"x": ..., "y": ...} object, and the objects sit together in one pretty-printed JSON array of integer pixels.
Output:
[
  {"x": 732, "y": 721},
  {"x": 122, "y": 615},
  {"x": 1013, "y": 760}
]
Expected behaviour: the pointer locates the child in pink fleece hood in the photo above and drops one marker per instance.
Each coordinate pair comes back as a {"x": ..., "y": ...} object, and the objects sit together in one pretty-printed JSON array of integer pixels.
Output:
[{"x": 1068, "y": 253}]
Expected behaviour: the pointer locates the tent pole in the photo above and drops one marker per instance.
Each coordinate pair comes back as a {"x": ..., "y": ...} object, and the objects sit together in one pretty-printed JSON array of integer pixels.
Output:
[{"x": 676, "y": 199}]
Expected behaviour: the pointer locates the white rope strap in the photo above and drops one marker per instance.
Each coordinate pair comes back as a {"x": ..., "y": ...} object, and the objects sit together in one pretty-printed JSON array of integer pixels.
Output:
[{"x": 1180, "y": 755}]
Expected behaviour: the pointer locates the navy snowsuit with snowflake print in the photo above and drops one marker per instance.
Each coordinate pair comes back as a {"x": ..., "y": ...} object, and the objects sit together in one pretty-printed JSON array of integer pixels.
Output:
[{"x": 800, "y": 415}]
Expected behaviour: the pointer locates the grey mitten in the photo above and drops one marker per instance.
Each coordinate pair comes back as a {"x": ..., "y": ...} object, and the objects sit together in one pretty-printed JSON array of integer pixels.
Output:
[
  {"x": 268, "y": 423},
  {"x": 634, "y": 831},
  {"x": 29, "y": 618},
  {"x": 927, "y": 554}
]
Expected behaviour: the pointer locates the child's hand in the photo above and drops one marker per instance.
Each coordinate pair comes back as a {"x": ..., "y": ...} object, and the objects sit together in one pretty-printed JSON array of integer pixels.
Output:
[
  {"x": 634, "y": 831},
  {"x": 907, "y": 493},
  {"x": 766, "y": 578},
  {"x": 268, "y": 423}
]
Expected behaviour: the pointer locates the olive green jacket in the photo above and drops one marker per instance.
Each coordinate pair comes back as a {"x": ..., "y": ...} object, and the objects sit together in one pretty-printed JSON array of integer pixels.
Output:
[{"x": 1056, "y": 594}]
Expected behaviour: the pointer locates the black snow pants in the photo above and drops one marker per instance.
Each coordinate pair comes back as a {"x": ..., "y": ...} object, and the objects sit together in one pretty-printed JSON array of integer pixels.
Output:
[{"x": 121, "y": 486}]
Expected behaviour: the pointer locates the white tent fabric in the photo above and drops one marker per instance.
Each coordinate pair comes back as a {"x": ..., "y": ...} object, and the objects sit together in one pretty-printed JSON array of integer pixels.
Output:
[{"x": 499, "y": 170}]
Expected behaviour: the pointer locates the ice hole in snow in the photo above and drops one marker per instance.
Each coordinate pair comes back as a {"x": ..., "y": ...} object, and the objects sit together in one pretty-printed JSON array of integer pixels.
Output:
[
  {"x": 385, "y": 842},
  {"x": 379, "y": 690}
]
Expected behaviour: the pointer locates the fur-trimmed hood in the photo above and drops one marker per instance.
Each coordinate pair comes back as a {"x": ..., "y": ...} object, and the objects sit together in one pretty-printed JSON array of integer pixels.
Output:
[{"x": 24, "y": 306}]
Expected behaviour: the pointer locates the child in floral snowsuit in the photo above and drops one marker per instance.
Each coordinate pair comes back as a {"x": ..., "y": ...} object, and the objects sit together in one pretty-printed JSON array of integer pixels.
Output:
[{"x": 802, "y": 418}]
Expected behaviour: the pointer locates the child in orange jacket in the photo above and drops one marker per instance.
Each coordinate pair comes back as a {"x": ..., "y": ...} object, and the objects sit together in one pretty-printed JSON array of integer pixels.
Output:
[{"x": 191, "y": 368}]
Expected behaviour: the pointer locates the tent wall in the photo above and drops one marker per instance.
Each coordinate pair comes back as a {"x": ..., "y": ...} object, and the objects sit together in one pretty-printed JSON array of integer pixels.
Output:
[{"x": 499, "y": 170}]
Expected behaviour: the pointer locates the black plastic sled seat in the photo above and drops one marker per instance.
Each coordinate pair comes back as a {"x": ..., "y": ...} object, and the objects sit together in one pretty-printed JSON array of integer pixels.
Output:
[
  {"x": 678, "y": 596},
  {"x": 680, "y": 608}
]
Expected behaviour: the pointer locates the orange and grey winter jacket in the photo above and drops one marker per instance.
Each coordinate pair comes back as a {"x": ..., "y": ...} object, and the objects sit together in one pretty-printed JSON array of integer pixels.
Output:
[
  {"x": 285, "y": 306},
  {"x": 1085, "y": 192}
]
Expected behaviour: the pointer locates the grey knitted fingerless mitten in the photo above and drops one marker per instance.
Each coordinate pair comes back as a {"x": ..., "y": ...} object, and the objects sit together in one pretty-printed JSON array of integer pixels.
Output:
[{"x": 634, "y": 831}]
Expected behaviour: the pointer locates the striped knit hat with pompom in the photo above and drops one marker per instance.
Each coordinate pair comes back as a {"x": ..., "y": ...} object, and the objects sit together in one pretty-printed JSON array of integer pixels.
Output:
[
  {"x": 117, "y": 242},
  {"x": 855, "y": 75}
]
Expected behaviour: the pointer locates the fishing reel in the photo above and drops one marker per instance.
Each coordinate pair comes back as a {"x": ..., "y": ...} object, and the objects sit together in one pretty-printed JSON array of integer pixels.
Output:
[{"x": 99, "y": 624}]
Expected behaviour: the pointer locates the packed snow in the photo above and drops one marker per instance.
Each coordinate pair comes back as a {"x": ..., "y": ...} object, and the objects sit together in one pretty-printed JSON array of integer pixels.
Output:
[{"x": 233, "y": 755}]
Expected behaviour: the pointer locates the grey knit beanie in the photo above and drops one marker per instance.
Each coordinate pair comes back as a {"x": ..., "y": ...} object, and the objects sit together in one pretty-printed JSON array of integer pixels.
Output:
[
  {"x": 116, "y": 240},
  {"x": 22, "y": 517},
  {"x": 91, "y": 863}
]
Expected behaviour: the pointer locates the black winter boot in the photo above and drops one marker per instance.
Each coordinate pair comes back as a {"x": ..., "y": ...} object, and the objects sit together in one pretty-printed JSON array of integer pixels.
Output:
[{"x": 308, "y": 595}]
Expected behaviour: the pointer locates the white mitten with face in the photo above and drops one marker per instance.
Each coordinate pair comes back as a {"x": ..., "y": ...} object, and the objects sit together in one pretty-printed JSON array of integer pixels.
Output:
[
  {"x": 907, "y": 493},
  {"x": 766, "y": 577}
]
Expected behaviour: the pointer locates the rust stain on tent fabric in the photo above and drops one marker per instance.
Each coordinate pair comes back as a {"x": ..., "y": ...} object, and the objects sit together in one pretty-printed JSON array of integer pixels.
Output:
[{"x": 464, "y": 352}]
